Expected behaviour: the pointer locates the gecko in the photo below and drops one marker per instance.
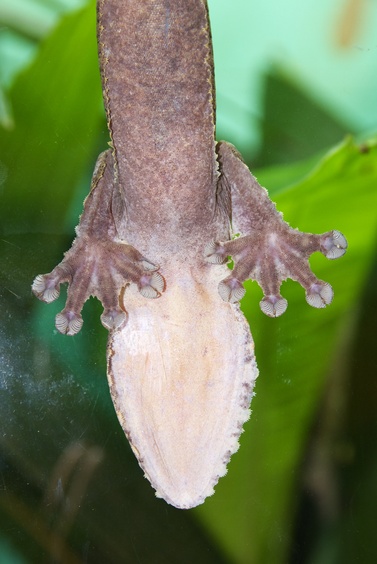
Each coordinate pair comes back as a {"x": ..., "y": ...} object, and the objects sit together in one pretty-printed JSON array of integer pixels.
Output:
[{"x": 167, "y": 208}]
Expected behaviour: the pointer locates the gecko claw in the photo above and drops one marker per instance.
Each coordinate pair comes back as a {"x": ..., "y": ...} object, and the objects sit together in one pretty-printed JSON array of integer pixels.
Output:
[
  {"x": 273, "y": 306},
  {"x": 45, "y": 289},
  {"x": 231, "y": 290},
  {"x": 319, "y": 295},
  {"x": 113, "y": 319},
  {"x": 68, "y": 322},
  {"x": 334, "y": 245}
]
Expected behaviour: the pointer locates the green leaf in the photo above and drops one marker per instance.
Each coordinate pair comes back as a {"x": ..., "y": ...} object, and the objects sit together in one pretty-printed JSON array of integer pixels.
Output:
[
  {"x": 57, "y": 111},
  {"x": 294, "y": 125},
  {"x": 252, "y": 513},
  {"x": 34, "y": 18}
]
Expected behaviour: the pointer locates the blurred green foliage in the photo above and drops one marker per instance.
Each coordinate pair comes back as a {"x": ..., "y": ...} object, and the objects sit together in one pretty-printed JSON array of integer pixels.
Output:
[{"x": 301, "y": 489}]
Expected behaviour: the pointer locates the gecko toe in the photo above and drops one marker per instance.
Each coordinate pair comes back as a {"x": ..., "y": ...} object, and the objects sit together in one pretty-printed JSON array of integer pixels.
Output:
[
  {"x": 45, "y": 288},
  {"x": 215, "y": 253},
  {"x": 68, "y": 322},
  {"x": 334, "y": 245},
  {"x": 231, "y": 290},
  {"x": 273, "y": 306},
  {"x": 151, "y": 285},
  {"x": 148, "y": 265},
  {"x": 113, "y": 319},
  {"x": 319, "y": 294}
]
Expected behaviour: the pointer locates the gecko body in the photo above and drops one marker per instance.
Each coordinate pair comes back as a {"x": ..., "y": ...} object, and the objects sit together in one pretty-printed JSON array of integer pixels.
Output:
[{"x": 158, "y": 224}]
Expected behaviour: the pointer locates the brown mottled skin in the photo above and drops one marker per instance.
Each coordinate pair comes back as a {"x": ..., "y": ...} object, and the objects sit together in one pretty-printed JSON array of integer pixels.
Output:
[
  {"x": 157, "y": 89},
  {"x": 164, "y": 202}
]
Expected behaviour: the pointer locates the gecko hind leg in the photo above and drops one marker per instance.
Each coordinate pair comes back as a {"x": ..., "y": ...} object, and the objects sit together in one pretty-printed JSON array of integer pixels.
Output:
[
  {"x": 98, "y": 263},
  {"x": 268, "y": 250}
]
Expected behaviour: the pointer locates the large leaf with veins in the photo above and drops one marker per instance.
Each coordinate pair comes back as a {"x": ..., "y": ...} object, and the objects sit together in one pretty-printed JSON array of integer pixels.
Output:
[{"x": 252, "y": 512}]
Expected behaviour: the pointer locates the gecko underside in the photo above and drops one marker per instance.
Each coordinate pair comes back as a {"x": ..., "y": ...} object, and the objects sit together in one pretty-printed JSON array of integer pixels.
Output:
[
  {"x": 181, "y": 367},
  {"x": 180, "y": 395}
]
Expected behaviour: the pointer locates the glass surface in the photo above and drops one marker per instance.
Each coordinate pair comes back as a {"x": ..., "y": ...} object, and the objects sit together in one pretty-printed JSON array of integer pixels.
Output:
[{"x": 292, "y": 83}]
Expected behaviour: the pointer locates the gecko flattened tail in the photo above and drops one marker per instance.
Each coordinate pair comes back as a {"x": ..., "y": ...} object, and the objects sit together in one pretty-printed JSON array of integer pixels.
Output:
[{"x": 181, "y": 375}]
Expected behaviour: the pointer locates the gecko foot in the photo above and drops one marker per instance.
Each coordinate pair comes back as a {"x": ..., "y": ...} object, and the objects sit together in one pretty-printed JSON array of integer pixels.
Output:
[
  {"x": 270, "y": 258},
  {"x": 102, "y": 269}
]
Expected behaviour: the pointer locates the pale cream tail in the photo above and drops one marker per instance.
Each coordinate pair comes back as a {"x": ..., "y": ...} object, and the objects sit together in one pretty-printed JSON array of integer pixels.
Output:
[{"x": 181, "y": 375}]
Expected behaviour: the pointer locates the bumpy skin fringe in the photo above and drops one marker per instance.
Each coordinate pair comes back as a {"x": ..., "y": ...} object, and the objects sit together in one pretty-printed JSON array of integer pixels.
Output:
[{"x": 153, "y": 241}]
